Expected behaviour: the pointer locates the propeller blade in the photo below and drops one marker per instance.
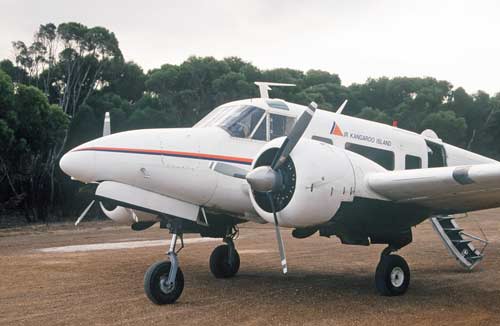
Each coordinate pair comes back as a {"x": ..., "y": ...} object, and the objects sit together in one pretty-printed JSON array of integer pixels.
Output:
[
  {"x": 281, "y": 247},
  {"x": 230, "y": 170},
  {"x": 80, "y": 218},
  {"x": 293, "y": 138}
]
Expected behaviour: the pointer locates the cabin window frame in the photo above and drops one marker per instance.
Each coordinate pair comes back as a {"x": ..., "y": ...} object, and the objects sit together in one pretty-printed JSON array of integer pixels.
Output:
[
  {"x": 361, "y": 150},
  {"x": 417, "y": 159}
]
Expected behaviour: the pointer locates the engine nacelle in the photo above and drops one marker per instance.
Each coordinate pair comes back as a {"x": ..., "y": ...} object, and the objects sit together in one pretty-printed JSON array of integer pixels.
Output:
[
  {"x": 128, "y": 216},
  {"x": 317, "y": 178}
]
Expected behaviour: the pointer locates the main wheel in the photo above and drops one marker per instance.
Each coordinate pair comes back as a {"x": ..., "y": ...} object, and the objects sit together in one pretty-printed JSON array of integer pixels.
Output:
[
  {"x": 156, "y": 283},
  {"x": 220, "y": 265},
  {"x": 392, "y": 276}
]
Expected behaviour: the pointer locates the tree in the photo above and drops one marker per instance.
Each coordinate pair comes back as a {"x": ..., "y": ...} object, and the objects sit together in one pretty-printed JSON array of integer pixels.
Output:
[
  {"x": 29, "y": 131},
  {"x": 316, "y": 77},
  {"x": 372, "y": 114},
  {"x": 125, "y": 79},
  {"x": 82, "y": 74},
  {"x": 72, "y": 75},
  {"x": 16, "y": 74},
  {"x": 447, "y": 125}
]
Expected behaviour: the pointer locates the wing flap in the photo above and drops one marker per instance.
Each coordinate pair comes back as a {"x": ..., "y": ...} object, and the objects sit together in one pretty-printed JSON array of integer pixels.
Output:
[{"x": 446, "y": 189}]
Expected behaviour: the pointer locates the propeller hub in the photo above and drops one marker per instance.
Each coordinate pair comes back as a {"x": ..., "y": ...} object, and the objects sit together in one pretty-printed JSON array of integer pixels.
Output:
[{"x": 264, "y": 179}]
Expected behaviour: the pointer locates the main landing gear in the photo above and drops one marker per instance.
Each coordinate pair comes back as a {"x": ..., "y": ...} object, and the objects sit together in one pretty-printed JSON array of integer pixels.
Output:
[
  {"x": 225, "y": 260},
  {"x": 392, "y": 276},
  {"x": 164, "y": 281}
]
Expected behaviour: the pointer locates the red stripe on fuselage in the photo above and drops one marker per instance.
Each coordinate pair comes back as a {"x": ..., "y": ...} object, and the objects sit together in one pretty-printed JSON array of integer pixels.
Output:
[{"x": 215, "y": 157}]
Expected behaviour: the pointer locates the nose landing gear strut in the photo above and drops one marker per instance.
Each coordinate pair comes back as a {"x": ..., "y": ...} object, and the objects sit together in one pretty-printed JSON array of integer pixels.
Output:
[{"x": 164, "y": 281}]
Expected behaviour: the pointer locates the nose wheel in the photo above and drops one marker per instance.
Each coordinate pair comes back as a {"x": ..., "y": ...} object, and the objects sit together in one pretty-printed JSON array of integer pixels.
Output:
[
  {"x": 392, "y": 276},
  {"x": 159, "y": 289},
  {"x": 164, "y": 281},
  {"x": 225, "y": 260}
]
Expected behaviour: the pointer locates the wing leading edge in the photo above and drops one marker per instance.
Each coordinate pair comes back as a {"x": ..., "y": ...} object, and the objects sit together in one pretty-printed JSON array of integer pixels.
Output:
[{"x": 445, "y": 190}]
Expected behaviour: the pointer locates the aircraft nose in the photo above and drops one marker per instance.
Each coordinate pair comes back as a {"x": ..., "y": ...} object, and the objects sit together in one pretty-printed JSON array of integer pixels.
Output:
[{"x": 79, "y": 165}]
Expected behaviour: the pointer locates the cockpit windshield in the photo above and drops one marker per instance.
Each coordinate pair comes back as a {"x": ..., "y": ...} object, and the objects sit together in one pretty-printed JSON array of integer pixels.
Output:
[
  {"x": 242, "y": 121},
  {"x": 238, "y": 120},
  {"x": 248, "y": 121}
]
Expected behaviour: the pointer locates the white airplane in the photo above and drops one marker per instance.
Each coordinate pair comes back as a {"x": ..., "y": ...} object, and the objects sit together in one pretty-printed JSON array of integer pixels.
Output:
[{"x": 270, "y": 161}]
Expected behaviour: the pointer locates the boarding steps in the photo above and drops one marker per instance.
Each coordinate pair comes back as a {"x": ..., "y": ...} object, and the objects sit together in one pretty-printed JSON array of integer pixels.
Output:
[{"x": 458, "y": 242}]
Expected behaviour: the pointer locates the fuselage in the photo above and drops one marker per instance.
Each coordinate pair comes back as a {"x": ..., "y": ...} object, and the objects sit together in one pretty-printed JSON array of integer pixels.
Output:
[{"x": 178, "y": 162}]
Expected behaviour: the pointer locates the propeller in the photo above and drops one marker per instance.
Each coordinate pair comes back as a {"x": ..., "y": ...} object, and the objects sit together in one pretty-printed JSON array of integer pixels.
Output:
[
  {"x": 281, "y": 246},
  {"x": 293, "y": 138},
  {"x": 268, "y": 179},
  {"x": 82, "y": 216},
  {"x": 106, "y": 130}
]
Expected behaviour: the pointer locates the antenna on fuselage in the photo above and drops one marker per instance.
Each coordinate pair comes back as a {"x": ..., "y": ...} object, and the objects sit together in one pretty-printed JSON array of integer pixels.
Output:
[
  {"x": 341, "y": 107},
  {"x": 106, "y": 129},
  {"x": 264, "y": 87}
]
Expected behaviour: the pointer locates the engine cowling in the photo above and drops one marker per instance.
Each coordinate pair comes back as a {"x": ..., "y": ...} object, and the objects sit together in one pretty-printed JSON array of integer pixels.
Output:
[
  {"x": 127, "y": 216},
  {"x": 317, "y": 178}
]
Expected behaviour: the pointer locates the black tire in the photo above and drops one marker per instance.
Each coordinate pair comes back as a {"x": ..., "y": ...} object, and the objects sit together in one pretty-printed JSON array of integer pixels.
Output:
[
  {"x": 219, "y": 262},
  {"x": 157, "y": 273},
  {"x": 392, "y": 276}
]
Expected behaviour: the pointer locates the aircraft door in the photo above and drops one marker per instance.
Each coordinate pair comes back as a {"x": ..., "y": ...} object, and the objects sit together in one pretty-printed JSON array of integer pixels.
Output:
[{"x": 436, "y": 155}]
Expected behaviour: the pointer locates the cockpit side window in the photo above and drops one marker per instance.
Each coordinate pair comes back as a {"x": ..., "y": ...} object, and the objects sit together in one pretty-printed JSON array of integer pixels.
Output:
[
  {"x": 241, "y": 121},
  {"x": 260, "y": 133},
  {"x": 280, "y": 125}
]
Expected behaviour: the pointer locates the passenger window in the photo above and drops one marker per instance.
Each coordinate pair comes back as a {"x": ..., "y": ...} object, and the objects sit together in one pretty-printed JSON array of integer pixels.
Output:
[
  {"x": 280, "y": 125},
  {"x": 382, "y": 157},
  {"x": 322, "y": 139},
  {"x": 413, "y": 162}
]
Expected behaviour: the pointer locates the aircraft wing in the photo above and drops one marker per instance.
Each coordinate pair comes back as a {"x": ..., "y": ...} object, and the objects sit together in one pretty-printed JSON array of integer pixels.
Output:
[{"x": 444, "y": 190}]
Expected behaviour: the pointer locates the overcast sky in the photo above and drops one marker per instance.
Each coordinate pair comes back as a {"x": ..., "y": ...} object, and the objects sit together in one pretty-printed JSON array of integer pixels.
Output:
[{"x": 456, "y": 40}]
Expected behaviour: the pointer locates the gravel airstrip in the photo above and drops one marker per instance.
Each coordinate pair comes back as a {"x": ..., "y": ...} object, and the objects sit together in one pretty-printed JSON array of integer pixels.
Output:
[{"x": 93, "y": 275}]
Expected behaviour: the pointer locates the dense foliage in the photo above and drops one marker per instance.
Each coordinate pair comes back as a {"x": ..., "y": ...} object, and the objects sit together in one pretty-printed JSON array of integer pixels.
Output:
[{"x": 55, "y": 93}]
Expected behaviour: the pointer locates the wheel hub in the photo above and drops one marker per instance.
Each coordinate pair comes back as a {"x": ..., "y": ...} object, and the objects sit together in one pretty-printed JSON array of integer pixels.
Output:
[
  {"x": 165, "y": 286},
  {"x": 397, "y": 277}
]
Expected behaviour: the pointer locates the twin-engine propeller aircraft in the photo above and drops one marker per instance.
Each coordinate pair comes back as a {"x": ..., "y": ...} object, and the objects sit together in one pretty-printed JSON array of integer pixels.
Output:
[{"x": 270, "y": 161}]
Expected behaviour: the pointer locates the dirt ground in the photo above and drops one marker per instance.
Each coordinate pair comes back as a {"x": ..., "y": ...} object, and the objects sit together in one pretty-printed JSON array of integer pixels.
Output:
[{"x": 328, "y": 283}]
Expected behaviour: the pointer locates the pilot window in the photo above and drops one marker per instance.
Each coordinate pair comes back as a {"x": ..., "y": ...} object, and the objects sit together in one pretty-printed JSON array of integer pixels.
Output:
[
  {"x": 382, "y": 157},
  {"x": 240, "y": 121},
  {"x": 436, "y": 155},
  {"x": 280, "y": 125},
  {"x": 413, "y": 162}
]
